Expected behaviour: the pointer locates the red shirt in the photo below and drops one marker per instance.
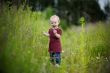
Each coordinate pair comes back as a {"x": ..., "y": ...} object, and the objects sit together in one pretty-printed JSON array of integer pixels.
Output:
[{"x": 54, "y": 42}]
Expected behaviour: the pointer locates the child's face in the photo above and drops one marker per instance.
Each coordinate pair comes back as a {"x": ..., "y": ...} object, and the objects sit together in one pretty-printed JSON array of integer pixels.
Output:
[{"x": 54, "y": 21}]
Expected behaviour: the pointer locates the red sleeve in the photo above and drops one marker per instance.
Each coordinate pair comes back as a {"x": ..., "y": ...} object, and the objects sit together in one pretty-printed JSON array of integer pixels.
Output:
[
  {"x": 60, "y": 31},
  {"x": 49, "y": 31}
]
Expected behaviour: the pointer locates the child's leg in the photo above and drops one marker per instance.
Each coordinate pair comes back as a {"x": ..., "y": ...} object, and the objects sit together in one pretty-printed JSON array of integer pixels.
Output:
[
  {"x": 52, "y": 58},
  {"x": 58, "y": 57}
]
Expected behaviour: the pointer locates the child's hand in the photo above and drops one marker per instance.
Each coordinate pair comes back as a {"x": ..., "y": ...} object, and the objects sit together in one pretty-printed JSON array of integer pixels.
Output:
[
  {"x": 62, "y": 51},
  {"x": 45, "y": 33},
  {"x": 54, "y": 31},
  {"x": 56, "y": 34}
]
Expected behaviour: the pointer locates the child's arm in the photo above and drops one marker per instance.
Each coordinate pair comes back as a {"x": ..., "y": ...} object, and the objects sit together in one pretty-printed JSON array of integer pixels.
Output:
[
  {"x": 46, "y": 34},
  {"x": 56, "y": 34}
]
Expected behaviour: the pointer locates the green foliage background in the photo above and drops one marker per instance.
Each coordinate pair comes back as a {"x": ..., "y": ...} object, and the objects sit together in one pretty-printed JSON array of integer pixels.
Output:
[{"x": 23, "y": 48}]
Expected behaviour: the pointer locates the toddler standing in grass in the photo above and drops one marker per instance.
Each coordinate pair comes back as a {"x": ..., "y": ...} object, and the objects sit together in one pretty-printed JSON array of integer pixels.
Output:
[{"x": 54, "y": 35}]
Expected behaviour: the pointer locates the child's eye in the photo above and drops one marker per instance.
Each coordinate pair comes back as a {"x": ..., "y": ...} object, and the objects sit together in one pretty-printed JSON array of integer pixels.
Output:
[{"x": 53, "y": 22}]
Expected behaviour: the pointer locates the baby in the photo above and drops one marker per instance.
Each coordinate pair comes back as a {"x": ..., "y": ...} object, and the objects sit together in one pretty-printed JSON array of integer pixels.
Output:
[{"x": 54, "y": 35}]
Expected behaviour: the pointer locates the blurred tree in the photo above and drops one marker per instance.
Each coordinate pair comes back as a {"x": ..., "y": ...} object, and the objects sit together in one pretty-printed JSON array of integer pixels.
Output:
[{"x": 71, "y": 10}]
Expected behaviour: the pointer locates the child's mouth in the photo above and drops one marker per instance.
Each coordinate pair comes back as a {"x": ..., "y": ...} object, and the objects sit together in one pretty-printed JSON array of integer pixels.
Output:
[{"x": 53, "y": 25}]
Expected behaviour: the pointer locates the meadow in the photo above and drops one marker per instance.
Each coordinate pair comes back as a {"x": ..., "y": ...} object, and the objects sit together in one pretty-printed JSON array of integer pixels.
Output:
[{"x": 24, "y": 49}]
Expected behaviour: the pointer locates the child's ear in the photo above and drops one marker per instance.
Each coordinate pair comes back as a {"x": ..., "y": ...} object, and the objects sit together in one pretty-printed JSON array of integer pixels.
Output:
[{"x": 59, "y": 21}]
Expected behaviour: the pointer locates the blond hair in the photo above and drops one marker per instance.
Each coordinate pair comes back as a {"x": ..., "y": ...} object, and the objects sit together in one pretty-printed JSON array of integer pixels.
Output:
[{"x": 55, "y": 18}]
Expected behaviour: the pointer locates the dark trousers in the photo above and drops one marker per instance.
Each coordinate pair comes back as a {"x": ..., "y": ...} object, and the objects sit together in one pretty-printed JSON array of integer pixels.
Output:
[{"x": 55, "y": 57}]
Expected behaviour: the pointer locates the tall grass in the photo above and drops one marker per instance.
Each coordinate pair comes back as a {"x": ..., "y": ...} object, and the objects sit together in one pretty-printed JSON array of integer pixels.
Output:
[{"x": 23, "y": 48}]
